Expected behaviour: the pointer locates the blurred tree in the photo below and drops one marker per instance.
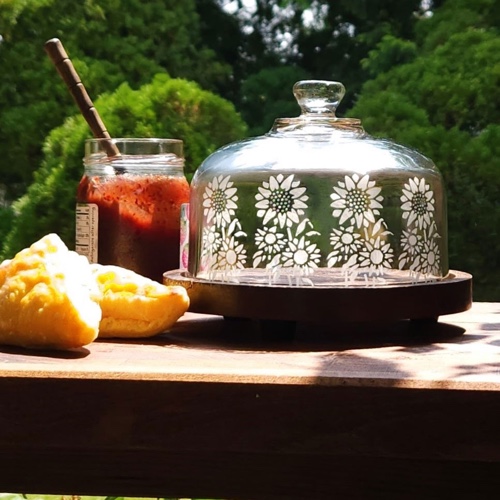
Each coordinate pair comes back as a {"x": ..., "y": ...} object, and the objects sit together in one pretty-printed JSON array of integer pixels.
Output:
[
  {"x": 221, "y": 33},
  {"x": 325, "y": 39},
  {"x": 268, "y": 95},
  {"x": 443, "y": 100},
  {"x": 164, "y": 108},
  {"x": 109, "y": 41}
]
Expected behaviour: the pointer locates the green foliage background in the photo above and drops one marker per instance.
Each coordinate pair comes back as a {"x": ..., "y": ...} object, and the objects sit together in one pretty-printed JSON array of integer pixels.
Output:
[
  {"x": 439, "y": 94},
  {"x": 109, "y": 42}
]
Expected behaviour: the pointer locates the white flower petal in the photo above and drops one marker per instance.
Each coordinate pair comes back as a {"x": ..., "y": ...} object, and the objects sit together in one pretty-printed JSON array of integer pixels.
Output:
[
  {"x": 287, "y": 183},
  {"x": 413, "y": 184},
  {"x": 341, "y": 192},
  {"x": 223, "y": 183},
  {"x": 345, "y": 215},
  {"x": 210, "y": 215},
  {"x": 349, "y": 183},
  {"x": 293, "y": 217},
  {"x": 282, "y": 219},
  {"x": 369, "y": 216},
  {"x": 338, "y": 204},
  {"x": 299, "y": 204},
  {"x": 373, "y": 192},
  {"x": 273, "y": 183},
  {"x": 363, "y": 183},
  {"x": 297, "y": 192},
  {"x": 411, "y": 217},
  {"x": 269, "y": 215}
]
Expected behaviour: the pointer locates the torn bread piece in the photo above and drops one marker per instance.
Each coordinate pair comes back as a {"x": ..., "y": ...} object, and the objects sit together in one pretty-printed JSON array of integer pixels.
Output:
[
  {"x": 48, "y": 298},
  {"x": 135, "y": 306}
]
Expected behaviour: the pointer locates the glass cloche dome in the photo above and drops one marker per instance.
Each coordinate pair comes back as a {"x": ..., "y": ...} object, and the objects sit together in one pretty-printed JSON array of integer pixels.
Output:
[{"x": 317, "y": 202}]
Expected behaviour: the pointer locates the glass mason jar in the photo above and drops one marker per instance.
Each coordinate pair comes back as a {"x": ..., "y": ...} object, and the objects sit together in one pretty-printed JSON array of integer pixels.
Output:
[
  {"x": 128, "y": 206},
  {"x": 318, "y": 202}
]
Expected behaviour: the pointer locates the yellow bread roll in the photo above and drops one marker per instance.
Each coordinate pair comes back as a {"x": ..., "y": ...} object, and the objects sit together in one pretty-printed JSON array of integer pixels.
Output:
[
  {"x": 135, "y": 306},
  {"x": 48, "y": 297}
]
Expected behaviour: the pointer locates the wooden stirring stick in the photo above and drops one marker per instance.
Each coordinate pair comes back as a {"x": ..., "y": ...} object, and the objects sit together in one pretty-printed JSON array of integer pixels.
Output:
[{"x": 65, "y": 68}]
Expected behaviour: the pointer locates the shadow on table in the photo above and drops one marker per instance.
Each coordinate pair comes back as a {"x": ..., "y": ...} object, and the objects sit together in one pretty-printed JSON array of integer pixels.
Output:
[
  {"x": 23, "y": 353},
  {"x": 244, "y": 334}
]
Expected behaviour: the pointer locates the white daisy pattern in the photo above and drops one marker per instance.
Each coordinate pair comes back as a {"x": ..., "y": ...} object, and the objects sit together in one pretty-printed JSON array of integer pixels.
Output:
[
  {"x": 429, "y": 258},
  {"x": 376, "y": 256},
  {"x": 212, "y": 240},
  {"x": 301, "y": 254},
  {"x": 270, "y": 242},
  {"x": 417, "y": 203},
  {"x": 420, "y": 252},
  {"x": 286, "y": 238},
  {"x": 411, "y": 241},
  {"x": 223, "y": 252},
  {"x": 219, "y": 201},
  {"x": 281, "y": 200},
  {"x": 356, "y": 200},
  {"x": 360, "y": 243},
  {"x": 286, "y": 246},
  {"x": 345, "y": 242},
  {"x": 232, "y": 255}
]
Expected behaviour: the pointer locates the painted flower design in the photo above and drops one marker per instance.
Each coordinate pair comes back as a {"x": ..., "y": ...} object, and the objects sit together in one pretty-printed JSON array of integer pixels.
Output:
[
  {"x": 345, "y": 242},
  {"x": 269, "y": 240},
  {"x": 301, "y": 254},
  {"x": 429, "y": 258},
  {"x": 417, "y": 203},
  {"x": 212, "y": 240},
  {"x": 232, "y": 255},
  {"x": 411, "y": 241},
  {"x": 357, "y": 200},
  {"x": 376, "y": 256},
  {"x": 269, "y": 243},
  {"x": 219, "y": 201},
  {"x": 281, "y": 200}
]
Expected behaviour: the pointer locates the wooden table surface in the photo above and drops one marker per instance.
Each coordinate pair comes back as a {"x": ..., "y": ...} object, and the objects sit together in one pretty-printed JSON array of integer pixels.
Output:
[{"x": 216, "y": 409}]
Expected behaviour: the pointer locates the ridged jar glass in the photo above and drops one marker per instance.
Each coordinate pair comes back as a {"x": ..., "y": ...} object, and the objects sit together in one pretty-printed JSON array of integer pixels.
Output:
[{"x": 318, "y": 202}]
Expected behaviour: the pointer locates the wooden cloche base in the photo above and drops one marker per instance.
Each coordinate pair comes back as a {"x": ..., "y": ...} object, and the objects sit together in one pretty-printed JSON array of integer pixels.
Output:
[{"x": 420, "y": 301}]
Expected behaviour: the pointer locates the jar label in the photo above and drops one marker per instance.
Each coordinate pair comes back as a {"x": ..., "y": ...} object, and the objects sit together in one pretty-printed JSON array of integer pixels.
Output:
[
  {"x": 184, "y": 237},
  {"x": 87, "y": 225}
]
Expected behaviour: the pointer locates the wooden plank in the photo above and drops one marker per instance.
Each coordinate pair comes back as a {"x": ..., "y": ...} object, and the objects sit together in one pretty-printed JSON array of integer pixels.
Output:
[
  {"x": 244, "y": 440},
  {"x": 460, "y": 352},
  {"x": 264, "y": 477}
]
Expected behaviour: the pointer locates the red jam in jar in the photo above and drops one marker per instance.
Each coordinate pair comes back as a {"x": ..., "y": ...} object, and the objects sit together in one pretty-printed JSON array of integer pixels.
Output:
[{"x": 128, "y": 208}]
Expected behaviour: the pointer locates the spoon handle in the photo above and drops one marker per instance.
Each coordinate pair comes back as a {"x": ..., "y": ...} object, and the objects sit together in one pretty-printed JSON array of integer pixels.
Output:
[{"x": 68, "y": 73}]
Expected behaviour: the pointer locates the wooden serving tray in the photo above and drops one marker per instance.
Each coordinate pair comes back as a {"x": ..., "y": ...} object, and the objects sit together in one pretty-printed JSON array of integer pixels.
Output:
[{"x": 421, "y": 301}]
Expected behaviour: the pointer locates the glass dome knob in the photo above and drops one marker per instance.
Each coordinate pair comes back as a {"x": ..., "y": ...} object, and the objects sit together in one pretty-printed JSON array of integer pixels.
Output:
[{"x": 318, "y": 96}]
